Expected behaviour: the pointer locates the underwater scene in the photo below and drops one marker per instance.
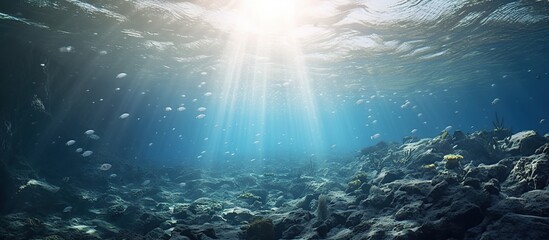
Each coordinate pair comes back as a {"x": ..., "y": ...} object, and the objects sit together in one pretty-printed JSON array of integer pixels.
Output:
[{"x": 274, "y": 119}]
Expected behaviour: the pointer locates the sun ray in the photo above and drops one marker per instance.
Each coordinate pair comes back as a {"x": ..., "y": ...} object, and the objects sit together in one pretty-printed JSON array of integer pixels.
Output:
[{"x": 266, "y": 100}]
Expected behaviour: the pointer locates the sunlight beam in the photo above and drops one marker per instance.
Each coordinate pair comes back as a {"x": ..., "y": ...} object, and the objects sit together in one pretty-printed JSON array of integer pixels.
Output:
[
  {"x": 266, "y": 98},
  {"x": 266, "y": 16}
]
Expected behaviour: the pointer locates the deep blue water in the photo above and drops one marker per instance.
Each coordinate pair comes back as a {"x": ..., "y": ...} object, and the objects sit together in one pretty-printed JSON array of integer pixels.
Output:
[{"x": 353, "y": 75}]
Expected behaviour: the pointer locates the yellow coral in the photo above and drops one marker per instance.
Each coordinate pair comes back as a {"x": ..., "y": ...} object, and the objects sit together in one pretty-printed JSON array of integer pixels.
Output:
[
  {"x": 429, "y": 166},
  {"x": 453, "y": 157},
  {"x": 355, "y": 183},
  {"x": 247, "y": 195}
]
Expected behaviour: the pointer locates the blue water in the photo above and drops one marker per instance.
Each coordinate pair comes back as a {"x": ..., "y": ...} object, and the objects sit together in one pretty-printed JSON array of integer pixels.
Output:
[{"x": 369, "y": 72}]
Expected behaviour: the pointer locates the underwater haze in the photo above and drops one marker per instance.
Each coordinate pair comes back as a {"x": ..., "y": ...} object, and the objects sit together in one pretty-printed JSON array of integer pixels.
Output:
[
  {"x": 220, "y": 80},
  {"x": 204, "y": 83}
]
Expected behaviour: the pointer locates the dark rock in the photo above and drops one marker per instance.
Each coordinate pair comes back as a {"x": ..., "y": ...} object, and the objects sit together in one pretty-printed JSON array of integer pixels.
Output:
[
  {"x": 453, "y": 222},
  {"x": 465, "y": 215},
  {"x": 7, "y": 187},
  {"x": 261, "y": 229},
  {"x": 297, "y": 217},
  {"x": 148, "y": 221},
  {"x": 543, "y": 149},
  {"x": 205, "y": 206},
  {"x": 338, "y": 218},
  {"x": 378, "y": 198},
  {"x": 473, "y": 182},
  {"x": 388, "y": 176},
  {"x": 292, "y": 232},
  {"x": 501, "y": 133},
  {"x": 529, "y": 173},
  {"x": 209, "y": 232},
  {"x": 476, "y": 149},
  {"x": 504, "y": 206},
  {"x": 458, "y": 135},
  {"x": 427, "y": 157},
  {"x": 116, "y": 211},
  {"x": 323, "y": 229},
  {"x": 492, "y": 186},
  {"x": 400, "y": 198},
  {"x": 362, "y": 227},
  {"x": 297, "y": 189},
  {"x": 530, "y": 203},
  {"x": 184, "y": 231},
  {"x": 305, "y": 202},
  {"x": 365, "y": 188},
  {"x": 536, "y": 202},
  {"x": 525, "y": 143},
  {"x": 408, "y": 211},
  {"x": 38, "y": 197},
  {"x": 181, "y": 211},
  {"x": 416, "y": 187},
  {"x": 237, "y": 215},
  {"x": 179, "y": 237},
  {"x": 354, "y": 219},
  {"x": 450, "y": 179},
  {"x": 438, "y": 190},
  {"x": 157, "y": 233},
  {"x": 486, "y": 172},
  {"x": 515, "y": 226},
  {"x": 377, "y": 234},
  {"x": 196, "y": 232},
  {"x": 245, "y": 181}
]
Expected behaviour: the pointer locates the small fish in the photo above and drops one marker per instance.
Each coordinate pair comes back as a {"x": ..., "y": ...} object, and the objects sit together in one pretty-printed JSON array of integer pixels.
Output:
[
  {"x": 70, "y": 142},
  {"x": 67, "y": 209},
  {"x": 406, "y": 104},
  {"x": 146, "y": 182},
  {"x": 429, "y": 166},
  {"x": 200, "y": 116},
  {"x": 168, "y": 109},
  {"x": 87, "y": 153},
  {"x": 89, "y": 132},
  {"x": 79, "y": 150},
  {"x": 201, "y": 109},
  {"x": 414, "y": 131},
  {"x": 495, "y": 101},
  {"x": 124, "y": 115},
  {"x": 375, "y": 136},
  {"x": 66, "y": 49},
  {"x": 94, "y": 136},
  {"x": 121, "y": 75},
  {"x": 105, "y": 167}
]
